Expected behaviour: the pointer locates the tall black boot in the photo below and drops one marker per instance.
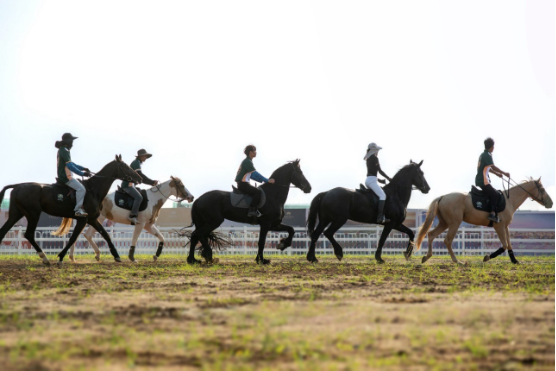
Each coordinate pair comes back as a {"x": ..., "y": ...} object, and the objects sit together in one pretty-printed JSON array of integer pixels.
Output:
[
  {"x": 381, "y": 219},
  {"x": 252, "y": 212}
]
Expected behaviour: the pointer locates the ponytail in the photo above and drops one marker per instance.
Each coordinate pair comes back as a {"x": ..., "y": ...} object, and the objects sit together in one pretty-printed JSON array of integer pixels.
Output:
[{"x": 58, "y": 144}]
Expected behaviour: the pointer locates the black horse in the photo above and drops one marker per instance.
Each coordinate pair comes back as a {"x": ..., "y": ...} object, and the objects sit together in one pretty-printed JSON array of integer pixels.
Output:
[
  {"x": 30, "y": 199},
  {"x": 336, "y": 206},
  {"x": 210, "y": 210}
]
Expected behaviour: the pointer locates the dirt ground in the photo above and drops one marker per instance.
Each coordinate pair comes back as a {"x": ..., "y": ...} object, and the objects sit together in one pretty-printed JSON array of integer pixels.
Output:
[{"x": 290, "y": 315}]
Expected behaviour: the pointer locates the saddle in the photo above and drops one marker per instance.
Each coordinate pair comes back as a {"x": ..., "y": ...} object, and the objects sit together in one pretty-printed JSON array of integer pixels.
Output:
[
  {"x": 63, "y": 193},
  {"x": 481, "y": 202},
  {"x": 125, "y": 201},
  {"x": 371, "y": 196},
  {"x": 243, "y": 200}
]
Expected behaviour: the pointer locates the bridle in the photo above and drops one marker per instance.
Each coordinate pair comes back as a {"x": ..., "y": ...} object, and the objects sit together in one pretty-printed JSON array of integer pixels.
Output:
[
  {"x": 539, "y": 190},
  {"x": 292, "y": 183},
  {"x": 168, "y": 197}
]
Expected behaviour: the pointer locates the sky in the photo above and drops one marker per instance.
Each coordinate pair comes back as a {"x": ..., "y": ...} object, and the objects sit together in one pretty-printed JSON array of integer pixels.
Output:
[{"x": 195, "y": 82}]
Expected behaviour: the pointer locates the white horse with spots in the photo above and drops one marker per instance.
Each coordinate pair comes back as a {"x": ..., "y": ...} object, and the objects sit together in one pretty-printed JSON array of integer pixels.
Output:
[{"x": 157, "y": 195}]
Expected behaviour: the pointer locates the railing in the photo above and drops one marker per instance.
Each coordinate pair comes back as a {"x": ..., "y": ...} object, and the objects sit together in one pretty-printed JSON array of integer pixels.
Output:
[{"x": 355, "y": 241}]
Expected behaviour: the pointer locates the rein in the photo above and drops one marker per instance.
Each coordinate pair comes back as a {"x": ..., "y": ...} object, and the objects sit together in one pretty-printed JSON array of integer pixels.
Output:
[{"x": 526, "y": 191}]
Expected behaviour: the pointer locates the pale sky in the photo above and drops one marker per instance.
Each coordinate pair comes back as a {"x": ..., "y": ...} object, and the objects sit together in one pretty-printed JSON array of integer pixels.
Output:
[{"x": 194, "y": 82}]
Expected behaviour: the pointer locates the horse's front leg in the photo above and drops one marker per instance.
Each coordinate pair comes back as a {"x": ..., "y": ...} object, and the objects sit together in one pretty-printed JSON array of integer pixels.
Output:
[
  {"x": 284, "y": 242},
  {"x": 100, "y": 229},
  {"x": 262, "y": 240},
  {"x": 81, "y": 222},
  {"x": 385, "y": 232},
  {"x": 136, "y": 233},
  {"x": 409, "y": 251}
]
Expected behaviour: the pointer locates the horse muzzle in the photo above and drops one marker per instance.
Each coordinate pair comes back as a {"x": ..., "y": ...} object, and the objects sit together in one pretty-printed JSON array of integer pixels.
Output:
[{"x": 190, "y": 198}]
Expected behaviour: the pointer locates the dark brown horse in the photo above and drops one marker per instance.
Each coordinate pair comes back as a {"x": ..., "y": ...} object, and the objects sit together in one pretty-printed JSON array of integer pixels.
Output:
[{"x": 30, "y": 199}]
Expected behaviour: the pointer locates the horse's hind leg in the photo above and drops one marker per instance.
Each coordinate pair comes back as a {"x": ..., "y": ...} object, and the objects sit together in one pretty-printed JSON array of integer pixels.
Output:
[
  {"x": 441, "y": 227},
  {"x": 192, "y": 244},
  {"x": 329, "y": 233},
  {"x": 311, "y": 256},
  {"x": 13, "y": 217},
  {"x": 32, "y": 222},
  {"x": 452, "y": 231}
]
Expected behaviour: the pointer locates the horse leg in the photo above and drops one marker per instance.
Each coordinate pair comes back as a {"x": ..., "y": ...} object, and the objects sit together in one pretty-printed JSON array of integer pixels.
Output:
[
  {"x": 192, "y": 244},
  {"x": 262, "y": 240},
  {"x": 202, "y": 235},
  {"x": 151, "y": 228},
  {"x": 510, "y": 249},
  {"x": 452, "y": 231},
  {"x": 81, "y": 222},
  {"x": 89, "y": 236},
  {"x": 385, "y": 232},
  {"x": 136, "y": 232},
  {"x": 441, "y": 227},
  {"x": 329, "y": 233},
  {"x": 409, "y": 250},
  {"x": 501, "y": 232},
  {"x": 284, "y": 242},
  {"x": 96, "y": 225},
  {"x": 311, "y": 256},
  {"x": 32, "y": 222},
  {"x": 13, "y": 217}
]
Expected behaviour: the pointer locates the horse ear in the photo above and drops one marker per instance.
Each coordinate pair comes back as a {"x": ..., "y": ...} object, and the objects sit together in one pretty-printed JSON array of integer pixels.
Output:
[
  {"x": 117, "y": 158},
  {"x": 411, "y": 162},
  {"x": 539, "y": 179},
  {"x": 421, "y": 163}
]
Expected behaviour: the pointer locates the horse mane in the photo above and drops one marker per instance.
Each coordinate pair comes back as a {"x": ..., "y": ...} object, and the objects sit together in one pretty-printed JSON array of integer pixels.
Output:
[
  {"x": 399, "y": 176},
  {"x": 282, "y": 167}
]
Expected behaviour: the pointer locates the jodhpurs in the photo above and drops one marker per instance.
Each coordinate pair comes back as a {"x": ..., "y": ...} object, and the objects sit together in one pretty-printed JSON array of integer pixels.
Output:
[
  {"x": 492, "y": 195},
  {"x": 250, "y": 190},
  {"x": 137, "y": 199},
  {"x": 79, "y": 192},
  {"x": 372, "y": 183}
]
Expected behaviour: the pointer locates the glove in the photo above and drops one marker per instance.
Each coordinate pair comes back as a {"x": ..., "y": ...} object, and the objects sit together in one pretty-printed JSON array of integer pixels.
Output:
[
  {"x": 86, "y": 169},
  {"x": 87, "y": 173}
]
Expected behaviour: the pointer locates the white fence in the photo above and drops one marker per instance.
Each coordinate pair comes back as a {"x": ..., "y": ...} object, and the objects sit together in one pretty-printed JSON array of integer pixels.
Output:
[{"x": 355, "y": 241}]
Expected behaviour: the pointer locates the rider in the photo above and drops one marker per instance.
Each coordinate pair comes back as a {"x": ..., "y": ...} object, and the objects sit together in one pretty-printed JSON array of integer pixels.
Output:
[
  {"x": 129, "y": 188},
  {"x": 65, "y": 168},
  {"x": 247, "y": 172},
  {"x": 482, "y": 180},
  {"x": 373, "y": 167}
]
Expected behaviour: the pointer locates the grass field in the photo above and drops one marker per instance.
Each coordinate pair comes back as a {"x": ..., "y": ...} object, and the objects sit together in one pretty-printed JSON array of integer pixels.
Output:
[{"x": 235, "y": 315}]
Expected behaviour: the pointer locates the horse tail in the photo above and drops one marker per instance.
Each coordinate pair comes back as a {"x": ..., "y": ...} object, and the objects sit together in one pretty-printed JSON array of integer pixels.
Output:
[
  {"x": 64, "y": 227},
  {"x": 431, "y": 214},
  {"x": 4, "y": 191},
  {"x": 313, "y": 212}
]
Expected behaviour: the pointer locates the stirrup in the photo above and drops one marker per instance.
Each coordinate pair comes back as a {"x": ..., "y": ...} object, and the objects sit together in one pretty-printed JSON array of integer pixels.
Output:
[
  {"x": 81, "y": 213},
  {"x": 494, "y": 218},
  {"x": 132, "y": 219},
  {"x": 252, "y": 212}
]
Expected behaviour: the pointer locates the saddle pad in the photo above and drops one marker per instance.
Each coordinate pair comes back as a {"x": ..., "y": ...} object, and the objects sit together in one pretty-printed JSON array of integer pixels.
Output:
[
  {"x": 243, "y": 201},
  {"x": 63, "y": 194},
  {"x": 371, "y": 196},
  {"x": 125, "y": 201},
  {"x": 481, "y": 202}
]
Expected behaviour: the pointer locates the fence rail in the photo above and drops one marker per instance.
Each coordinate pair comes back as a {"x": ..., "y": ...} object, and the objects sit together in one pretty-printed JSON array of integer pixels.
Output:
[{"x": 356, "y": 241}]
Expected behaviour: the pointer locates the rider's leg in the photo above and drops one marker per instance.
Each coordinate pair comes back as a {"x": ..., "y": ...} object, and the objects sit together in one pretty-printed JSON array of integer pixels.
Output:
[
  {"x": 137, "y": 199},
  {"x": 493, "y": 195},
  {"x": 79, "y": 196},
  {"x": 372, "y": 183},
  {"x": 253, "y": 192}
]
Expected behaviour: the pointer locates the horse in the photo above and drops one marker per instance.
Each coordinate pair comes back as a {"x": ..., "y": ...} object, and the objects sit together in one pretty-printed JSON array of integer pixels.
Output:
[
  {"x": 146, "y": 218},
  {"x": 210, "y": 210},
  {"x": 30, "y": 199},
  {"x": 336, "y": 206},
  {"x": 453, "y": 208}
]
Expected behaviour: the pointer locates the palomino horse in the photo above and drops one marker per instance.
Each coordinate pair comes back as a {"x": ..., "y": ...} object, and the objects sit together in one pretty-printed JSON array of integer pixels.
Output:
[
  {"x": 146, "y": 218},
  {"x": 336, "y": 206},
  {"x": 210, "y": 210},
  {"x": 30, "y": 199},
  {"x": 454, "y": 208}
]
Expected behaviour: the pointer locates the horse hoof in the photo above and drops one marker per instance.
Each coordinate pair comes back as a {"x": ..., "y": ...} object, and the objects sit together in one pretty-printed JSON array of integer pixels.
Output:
[
  {"x": 134, "y": 261},
  {"x": 486, "y": 258},
  {"x": 407, "y": 256},
  {"x": 516, "y": 262},
  {"x": 97, "y": 257},
  {"x": 281, "y": 246},
  {"x": 46, "y": 262},
  {"x": 340, "y": 257},
  {"x": 312, "y": 259},
  {"x": 117, "y": 259},
  {"x": 380, "y": 261},
  {"x": 60, "y": 264},
  {"x": 71, "y": 259},
  {"x": 193, "y": 262}
]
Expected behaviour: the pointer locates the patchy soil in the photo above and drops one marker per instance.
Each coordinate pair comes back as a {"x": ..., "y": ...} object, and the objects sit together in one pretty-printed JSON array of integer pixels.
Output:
[{"x": 291, "y": 315}]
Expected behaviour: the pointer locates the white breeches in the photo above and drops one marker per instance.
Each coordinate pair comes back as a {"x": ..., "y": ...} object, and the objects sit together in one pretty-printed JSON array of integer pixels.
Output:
[{"x": 372, "y": 183}]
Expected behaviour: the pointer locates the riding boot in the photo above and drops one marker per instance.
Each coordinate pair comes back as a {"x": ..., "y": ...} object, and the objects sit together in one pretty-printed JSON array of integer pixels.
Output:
[
  {"x": 133, "y": 219},
  {"x": 493, "y": 217},
  {"x": 81, "y": 213},
  {"x": 252, "y": 212},
  {"x": 381, "y": 219}
]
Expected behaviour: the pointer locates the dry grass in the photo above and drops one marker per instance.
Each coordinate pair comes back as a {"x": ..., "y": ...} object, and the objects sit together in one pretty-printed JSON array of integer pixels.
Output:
[{"x": 289, "y": 315}]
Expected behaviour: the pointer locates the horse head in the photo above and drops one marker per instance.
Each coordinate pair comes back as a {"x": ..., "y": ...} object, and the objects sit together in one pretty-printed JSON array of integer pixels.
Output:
[
  {"x": 124, "y": 172},
  {"x": 418, "y": 177},
  {"x": 542, "y": 196},
  {"x": 179, "y": 189}
]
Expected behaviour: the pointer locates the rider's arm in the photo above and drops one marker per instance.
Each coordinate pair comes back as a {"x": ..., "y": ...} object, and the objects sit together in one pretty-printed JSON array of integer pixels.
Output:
[
  {"x": 383, "y": 174},
  {"x": 145, "y": 178},
  {"x": 256, "y": 176},
  {"x": 75, "y": 168},
  {"x": 498, "y": 171}
]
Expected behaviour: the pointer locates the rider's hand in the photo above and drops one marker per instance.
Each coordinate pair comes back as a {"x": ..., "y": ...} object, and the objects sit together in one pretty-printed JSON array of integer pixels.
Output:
[
  {"x": 155, "y": 183},
  {"x": 381, "y": 181},
  {"x": 86, "y": 169},
  {"x": 508, "y": 175},
  {"x": 271, "y": 181},
  {"x": 87, "y": 173}
]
